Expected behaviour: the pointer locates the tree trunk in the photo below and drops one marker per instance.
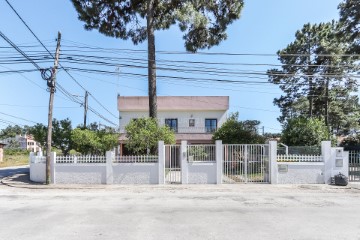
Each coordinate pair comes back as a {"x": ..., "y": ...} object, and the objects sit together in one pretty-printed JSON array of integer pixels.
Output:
[
  {"x": 327, "y": 104},
  {"x": 151, "y": 60}
]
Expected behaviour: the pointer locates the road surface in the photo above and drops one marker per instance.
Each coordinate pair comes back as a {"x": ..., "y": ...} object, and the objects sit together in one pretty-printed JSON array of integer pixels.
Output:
[
  {"x": 9, "y": 171},
  {"x": 181, "y": 212}
]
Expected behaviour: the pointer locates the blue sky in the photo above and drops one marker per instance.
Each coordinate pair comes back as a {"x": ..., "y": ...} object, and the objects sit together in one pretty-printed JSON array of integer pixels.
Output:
[{"x": 264, "y": 28}]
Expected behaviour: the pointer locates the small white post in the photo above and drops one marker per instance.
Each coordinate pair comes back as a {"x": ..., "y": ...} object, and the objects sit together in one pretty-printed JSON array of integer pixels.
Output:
[
  {"x": 161, "y": 162},
  {"x": 52, "y": 167},
  {"x": 32, "y": 154},
  {"x": 184, "y": 163},
  {"x": 326, "y": 154},
  {"x": 219, "y": 161},
  {"x": 109, "y": 167},
  {"x": 273, "y": 162}
]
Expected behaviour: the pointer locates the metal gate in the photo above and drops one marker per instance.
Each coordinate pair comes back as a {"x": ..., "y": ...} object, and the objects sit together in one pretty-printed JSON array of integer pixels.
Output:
[
  {"x": 172, "y": 164},
  {"x": 246, "y": 163},
  {"x": 354, "y": 166}
]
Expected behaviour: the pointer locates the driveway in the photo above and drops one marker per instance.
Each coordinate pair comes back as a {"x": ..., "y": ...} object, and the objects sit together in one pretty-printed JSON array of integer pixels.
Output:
[
  {"x": 9, "y": 171},
  {"x": 181, "y": 212}
]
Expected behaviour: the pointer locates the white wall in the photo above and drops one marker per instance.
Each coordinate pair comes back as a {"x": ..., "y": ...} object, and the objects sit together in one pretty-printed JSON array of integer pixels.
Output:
[
  {"x": 80, "y": 173},
  {"x": 301, "y": 173},
  {"x": 38, "y": 172},
  {"x": 182, "y": 116},
  {"x": 136, "y": 173},
  {"x": 202, "y": 173}
]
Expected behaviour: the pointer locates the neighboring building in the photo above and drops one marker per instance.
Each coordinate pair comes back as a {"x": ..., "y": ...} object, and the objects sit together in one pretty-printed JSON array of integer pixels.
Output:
[
  {"x": 2, "y": 151},
  {"x": 26, "y": 142},
  {"x": 192, "y": 118}
]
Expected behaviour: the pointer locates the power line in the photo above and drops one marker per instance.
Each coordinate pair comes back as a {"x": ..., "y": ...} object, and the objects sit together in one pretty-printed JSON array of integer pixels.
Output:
[
  {"x": 26, "y": 120},
  {"x": 27, "y": 26},
  {"x": 210, "y": 53}
]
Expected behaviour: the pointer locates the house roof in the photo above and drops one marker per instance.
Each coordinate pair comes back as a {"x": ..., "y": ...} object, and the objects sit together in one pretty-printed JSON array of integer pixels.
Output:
[{"x": 179, "y": 103}]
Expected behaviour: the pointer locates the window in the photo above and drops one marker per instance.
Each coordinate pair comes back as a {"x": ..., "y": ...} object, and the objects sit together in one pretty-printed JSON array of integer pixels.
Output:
[
  {"x": 210, "y": 125},
  {"x": 191, "y": 122},
  {"x": 172, "y": 123}
]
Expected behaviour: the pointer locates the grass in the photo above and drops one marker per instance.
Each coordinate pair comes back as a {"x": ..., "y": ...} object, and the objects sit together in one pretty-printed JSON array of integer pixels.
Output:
[{"x": 14, "y": 160}]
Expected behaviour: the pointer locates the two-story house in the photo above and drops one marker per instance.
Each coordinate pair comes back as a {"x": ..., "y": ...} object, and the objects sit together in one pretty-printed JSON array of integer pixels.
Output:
[
  {"x": 192, "y": 118},
  {"x": 25, "y": 142}
]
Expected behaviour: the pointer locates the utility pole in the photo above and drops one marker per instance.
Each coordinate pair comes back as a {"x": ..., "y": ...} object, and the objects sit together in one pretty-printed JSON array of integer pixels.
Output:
[
  {"x": 51, "y": 84},
  {"x": 85, "y": 107}
]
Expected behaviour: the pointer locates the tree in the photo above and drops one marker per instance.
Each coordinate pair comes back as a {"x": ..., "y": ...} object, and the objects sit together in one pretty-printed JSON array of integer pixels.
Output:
[
  {"x": 350, "y": 23},
  {"x": 97, "y": 142},
  {"x": 316, "y": 78},
  {"x": 234, "y": 131},
  {"x": 301, "y": 131},
  {"x": 39, "y": 132},
  {"x": 85, "y": 141},
  {"x": 12, "y": 131},
  {"x": 62, "y": 135},
  {"x": 144, "y": 134},
  {"x": 204, "y": 24}
]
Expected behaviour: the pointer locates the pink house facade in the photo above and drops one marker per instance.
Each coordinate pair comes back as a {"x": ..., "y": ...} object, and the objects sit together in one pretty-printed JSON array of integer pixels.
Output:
[{"x": 192, "y": 118}]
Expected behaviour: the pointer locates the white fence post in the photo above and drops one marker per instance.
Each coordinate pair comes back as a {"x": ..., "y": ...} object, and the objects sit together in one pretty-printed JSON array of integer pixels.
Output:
[
  {"x": 31, "y": 156},
  {"x": 109, "y": 167},
  {"x": 219, "y": 161},
  {"x": 326, "y": 153},
  {"x": 52, "y": 167},
  {"x": 273, "y": 162},
  {"x": 184, "y": 163},
  {"x": 161, "y": 162}
]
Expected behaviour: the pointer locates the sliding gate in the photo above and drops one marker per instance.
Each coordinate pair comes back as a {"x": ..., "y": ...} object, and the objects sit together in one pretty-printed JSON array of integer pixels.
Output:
[{"x": 246, "y": 163}]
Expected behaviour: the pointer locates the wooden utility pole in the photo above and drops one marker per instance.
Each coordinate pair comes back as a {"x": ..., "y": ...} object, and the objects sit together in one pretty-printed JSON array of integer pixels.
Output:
[
  {"x": 51, "y": 85},
  {"x": 85, "y": 107},
  {"x": 151, "y": 59}
]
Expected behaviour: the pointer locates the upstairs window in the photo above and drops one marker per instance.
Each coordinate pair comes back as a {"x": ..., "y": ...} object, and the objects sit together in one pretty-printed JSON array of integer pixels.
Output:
[
  {"x": 172, "y": 123},
  {"x": 210, "y": 125},
  {"x": 191, "y": 122}
]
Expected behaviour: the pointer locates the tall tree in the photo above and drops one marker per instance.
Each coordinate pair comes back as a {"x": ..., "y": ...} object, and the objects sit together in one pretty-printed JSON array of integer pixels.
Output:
[
  {"x": 316, "y": 75},
  {"x": 204, "y": 24},
  {"x": 350, "y": 23}
]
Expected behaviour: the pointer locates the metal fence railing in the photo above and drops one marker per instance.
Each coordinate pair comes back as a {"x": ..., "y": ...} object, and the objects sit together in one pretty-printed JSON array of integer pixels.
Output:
[
  {"x": 80, "y": 159},
  {"x": 299, "y": 150},
  {"x": 201, "y": 153},
  {"x": 299, "y": 158},
  {"x": 136, "y": 159},
  {"x": 354, "y": 166}
]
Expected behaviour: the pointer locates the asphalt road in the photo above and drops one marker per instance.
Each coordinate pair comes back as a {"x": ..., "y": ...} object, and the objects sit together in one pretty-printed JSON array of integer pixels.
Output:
[
  {"x": 181, "y": 212},
  {"x": 9, "y": 171}
]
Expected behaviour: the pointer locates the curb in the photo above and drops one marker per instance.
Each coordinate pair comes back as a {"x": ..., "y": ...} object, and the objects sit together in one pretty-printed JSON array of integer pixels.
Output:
[{"x": 354, "y": 185}]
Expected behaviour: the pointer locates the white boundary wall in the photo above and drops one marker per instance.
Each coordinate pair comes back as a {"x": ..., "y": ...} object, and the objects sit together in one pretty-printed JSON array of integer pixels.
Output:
[
  {"x": 309, "y": 170},
  {"x": 318, "y": 171}
]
